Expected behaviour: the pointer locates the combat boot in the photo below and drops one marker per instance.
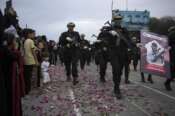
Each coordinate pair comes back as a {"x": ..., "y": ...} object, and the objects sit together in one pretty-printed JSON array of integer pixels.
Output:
[
  {"x": 167, "y": 85},
  {"x": 117, "y": 92},
  {"x": 135, "y": 68},
  {"x": 102, "y": 79},
  {"x": 150, "y": 79},
  {"x": 142, "y": 77},
  {"x": 127, "y": 80},
  {"x": 75, "y": 81}
]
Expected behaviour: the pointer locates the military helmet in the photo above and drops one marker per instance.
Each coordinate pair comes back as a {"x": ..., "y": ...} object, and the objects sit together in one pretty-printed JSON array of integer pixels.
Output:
[
  {"x": 71, "y": 24},
  {"x": 117, "y": 18},
  {"x": 82, "y": 35},
  {"x": 105, "y": 28}
]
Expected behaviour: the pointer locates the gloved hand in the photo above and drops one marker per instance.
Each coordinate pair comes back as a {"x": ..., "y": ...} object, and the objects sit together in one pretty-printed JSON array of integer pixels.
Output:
[
  {"x": 85, "y": 47},
  {"x": 98, "y": 41},
  {"x": 104, "y": 48},
  {"x": 68, "y": 45},
  {"x": 114, "y": 33},
  {"x": 69, "y": 39}
]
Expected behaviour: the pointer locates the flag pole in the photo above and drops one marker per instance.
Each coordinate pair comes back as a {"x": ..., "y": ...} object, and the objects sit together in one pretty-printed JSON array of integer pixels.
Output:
[{"x": 112, "y": 4}]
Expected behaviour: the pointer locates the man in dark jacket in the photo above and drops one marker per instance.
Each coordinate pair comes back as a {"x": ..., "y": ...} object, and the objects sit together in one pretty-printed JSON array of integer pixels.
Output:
[
  {"x": 113, "y": 49},
  {"x": 84, "y": 51},
  {"x": 171, "y": 37},
  {"x": 70, "y": 40}
]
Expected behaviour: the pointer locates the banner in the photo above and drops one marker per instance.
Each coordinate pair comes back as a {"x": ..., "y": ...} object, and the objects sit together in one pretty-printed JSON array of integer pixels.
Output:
[{"x": 155, "y": 58}]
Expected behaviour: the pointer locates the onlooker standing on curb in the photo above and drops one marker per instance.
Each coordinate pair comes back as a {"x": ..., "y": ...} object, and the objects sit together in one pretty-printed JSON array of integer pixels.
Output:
[
  {"x": 40, "y": 47},
  {"x": 30, "y": 58}
]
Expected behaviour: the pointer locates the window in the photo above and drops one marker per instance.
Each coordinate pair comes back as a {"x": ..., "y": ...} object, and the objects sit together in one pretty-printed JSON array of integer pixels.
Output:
[
  {"x": 137, "y": 16},
  {"x": 129, "y": 16}
]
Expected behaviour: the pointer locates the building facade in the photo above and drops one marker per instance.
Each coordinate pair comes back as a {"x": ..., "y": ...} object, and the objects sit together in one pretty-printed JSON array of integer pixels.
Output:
[{"x": 133, "y": 20}]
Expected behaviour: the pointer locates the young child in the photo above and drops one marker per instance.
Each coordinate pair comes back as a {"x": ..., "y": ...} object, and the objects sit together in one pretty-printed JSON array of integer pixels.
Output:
[{"x": 45, "y": 70}]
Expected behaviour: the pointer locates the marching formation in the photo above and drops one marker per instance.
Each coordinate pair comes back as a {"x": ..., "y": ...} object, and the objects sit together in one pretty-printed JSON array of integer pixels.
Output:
[
  {"x": 111, "y": 46},
  {"x": 24, "y": 55}
]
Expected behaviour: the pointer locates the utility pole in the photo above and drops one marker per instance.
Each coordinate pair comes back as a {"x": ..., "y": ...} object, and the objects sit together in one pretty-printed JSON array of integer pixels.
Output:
[
  {"x": 127, "y": 5},
  {"x": 112, "y": 5}
]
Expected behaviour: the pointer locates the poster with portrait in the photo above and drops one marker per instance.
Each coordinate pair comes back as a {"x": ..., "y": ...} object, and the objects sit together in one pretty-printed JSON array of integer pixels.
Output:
[{"x": 155, "y": 58}]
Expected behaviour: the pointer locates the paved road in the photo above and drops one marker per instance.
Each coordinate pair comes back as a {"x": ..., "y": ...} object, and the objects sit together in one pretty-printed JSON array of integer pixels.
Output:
[{"x": 92, "y": 98}]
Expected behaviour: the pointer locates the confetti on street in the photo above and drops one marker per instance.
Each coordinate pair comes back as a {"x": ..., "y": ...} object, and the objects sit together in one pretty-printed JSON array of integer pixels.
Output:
[{"x": 92, "y": 98}]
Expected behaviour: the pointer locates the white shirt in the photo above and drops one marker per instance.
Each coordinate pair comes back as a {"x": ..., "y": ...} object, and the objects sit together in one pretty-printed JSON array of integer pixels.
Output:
[{"x": 45, "y": 66}]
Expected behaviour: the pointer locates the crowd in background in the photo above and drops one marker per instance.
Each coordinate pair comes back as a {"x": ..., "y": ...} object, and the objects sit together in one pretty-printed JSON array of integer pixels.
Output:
[{"x": 21, "y": 54}]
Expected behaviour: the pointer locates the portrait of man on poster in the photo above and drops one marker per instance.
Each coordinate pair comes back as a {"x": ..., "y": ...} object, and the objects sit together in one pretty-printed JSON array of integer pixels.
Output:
[{"x": 155, "y": 53}]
